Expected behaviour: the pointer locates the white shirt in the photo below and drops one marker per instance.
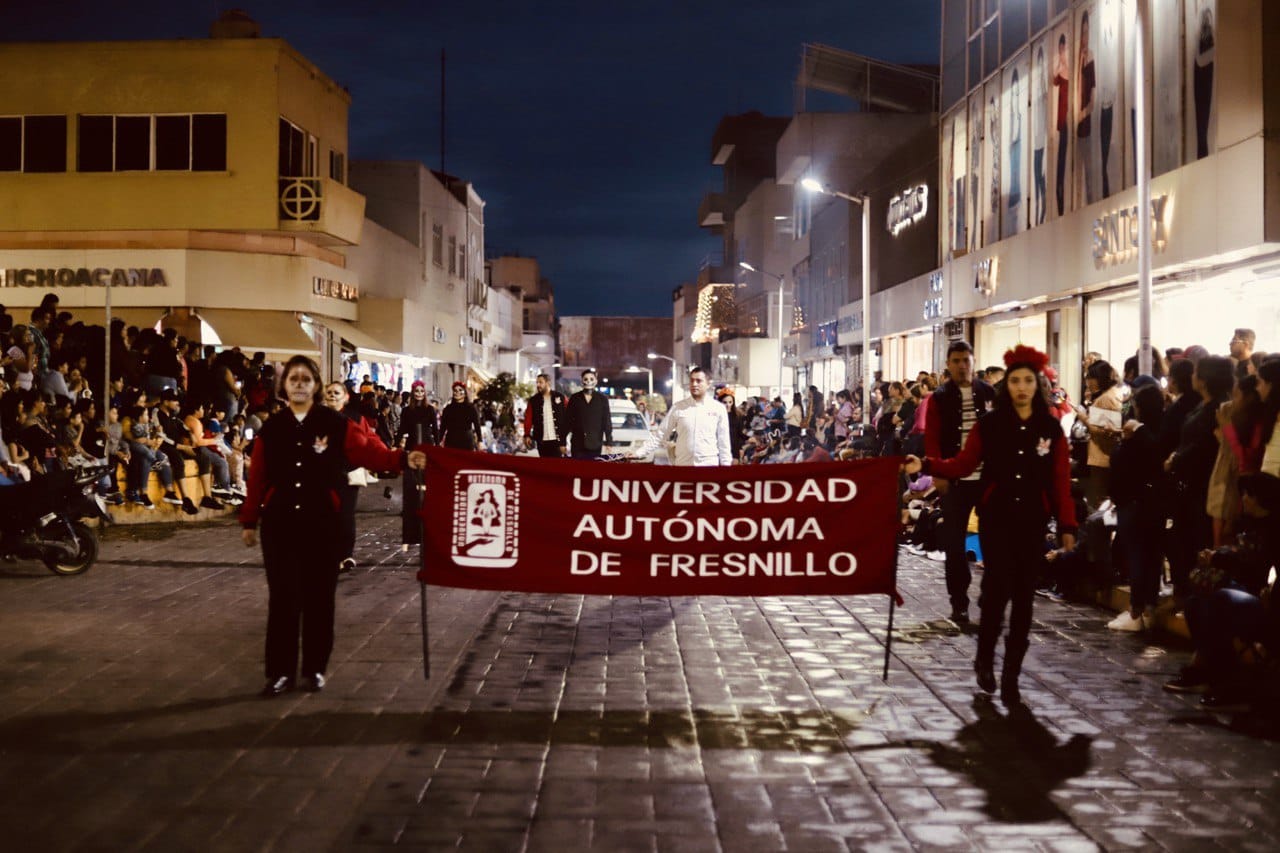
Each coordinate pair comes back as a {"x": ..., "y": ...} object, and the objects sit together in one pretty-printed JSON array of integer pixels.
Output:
[
  {"x": 701, "y": 433},
  {"x": 548, "y": 419}
]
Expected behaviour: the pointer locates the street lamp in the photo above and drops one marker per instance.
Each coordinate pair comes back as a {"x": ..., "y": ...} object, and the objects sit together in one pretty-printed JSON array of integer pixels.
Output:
[
  {"x": 816, "y": 186},
  {"x": 675, "y": 386},
  {"x": 637, "y": 369},
  {"x": 538, "y": 345},
  {"x": 781, "y": 282}
]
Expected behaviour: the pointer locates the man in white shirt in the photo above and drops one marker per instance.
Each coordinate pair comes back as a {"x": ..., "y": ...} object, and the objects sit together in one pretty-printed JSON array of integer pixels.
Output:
[{"x": 698, "y": 425}]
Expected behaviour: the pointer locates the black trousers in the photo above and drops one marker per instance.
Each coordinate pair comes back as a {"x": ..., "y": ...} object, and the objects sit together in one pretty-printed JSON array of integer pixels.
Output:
[
  {"x": 301, "y": 559},
  {"x": 549, "y": 448},
  {"x": 1011, "y": 555},
  {"x": 957, "y": 504}
]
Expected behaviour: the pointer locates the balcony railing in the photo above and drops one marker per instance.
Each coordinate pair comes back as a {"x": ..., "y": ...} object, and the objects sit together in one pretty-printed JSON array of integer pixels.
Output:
[{"x": 323, "y": 207}]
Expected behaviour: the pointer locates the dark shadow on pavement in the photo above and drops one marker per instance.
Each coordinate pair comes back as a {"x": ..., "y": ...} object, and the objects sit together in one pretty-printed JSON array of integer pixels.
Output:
[
  {"x": 809, "y": 732},
  {"x": 1012, "y": 757}
]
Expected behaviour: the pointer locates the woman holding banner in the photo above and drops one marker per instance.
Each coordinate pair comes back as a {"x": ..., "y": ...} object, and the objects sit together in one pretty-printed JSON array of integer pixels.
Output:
[
  {"x": 300, "y": 462},
  {"x": 1025, "y": 481}
]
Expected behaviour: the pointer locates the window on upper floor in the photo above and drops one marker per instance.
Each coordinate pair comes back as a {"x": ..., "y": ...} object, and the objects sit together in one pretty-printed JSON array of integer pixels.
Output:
[
  {"x": 462, "y": 261},
  {"x": 152, "y": 143},
  {"x": 437, "y": 245},
  {"x": 297, "y": 151},
  {"x": 453, "y": 255},
  {"x": 33, "y": 144},
  {"x": 338, "y": 166}
]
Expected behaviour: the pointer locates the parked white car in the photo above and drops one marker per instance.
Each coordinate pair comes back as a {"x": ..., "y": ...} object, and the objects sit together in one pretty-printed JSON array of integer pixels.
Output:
[{"x": 629, "y": 429}]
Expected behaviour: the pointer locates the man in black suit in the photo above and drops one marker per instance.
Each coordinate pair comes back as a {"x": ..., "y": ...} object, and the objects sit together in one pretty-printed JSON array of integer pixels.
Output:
[{"x": 588, "y": 421}]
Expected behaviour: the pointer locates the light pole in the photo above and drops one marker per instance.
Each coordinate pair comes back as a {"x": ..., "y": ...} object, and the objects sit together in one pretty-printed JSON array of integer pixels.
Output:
[
  {"x": 637, "y": 369},
  {"x": 538, "y": 345},
  {"x": 781, "y": 282},
  {"x": 816, "y": 186},
  {"x": 674, "y": 385}
]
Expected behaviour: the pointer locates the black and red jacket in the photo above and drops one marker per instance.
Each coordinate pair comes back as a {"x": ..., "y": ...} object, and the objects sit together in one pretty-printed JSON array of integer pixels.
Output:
[
  {"x": 298, "y": 467},
  {"x": 1026, "y": 468}
]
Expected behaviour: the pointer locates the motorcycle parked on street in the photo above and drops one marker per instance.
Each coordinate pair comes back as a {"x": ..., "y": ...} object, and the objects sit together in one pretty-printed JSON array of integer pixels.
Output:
[{"x": 43, "y": 519}]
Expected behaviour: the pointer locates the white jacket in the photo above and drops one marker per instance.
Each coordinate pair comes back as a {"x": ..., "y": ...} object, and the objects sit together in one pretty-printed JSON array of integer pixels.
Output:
[{"x": 701, "y": 433}]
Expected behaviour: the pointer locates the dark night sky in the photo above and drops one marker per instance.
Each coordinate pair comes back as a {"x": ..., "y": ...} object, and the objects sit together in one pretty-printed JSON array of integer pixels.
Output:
[{"x": 586, "y": 127}]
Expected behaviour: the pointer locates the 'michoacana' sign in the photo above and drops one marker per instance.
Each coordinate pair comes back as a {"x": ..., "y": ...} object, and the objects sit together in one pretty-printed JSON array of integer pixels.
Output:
[{"x": 84, "y": 277}]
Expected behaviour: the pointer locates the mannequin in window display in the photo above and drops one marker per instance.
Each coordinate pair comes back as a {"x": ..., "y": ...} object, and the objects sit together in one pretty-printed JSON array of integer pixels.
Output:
[
  {"x": 1062, "y": 82},
  {"x": 1202, "y": 81},
  {"x": 993, "y": 109},
  {"x": 1084, "y": 118},
  {"x": 1014, "y": 202},
  {"x": 1039, "y": 133},
  {"x": 975, "y": 174},
  {"x": 1107, "y": 90}
]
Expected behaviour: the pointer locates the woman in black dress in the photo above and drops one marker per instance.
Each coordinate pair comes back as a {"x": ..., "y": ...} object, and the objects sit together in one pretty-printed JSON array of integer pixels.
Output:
[{"x": 459, "y": 422}]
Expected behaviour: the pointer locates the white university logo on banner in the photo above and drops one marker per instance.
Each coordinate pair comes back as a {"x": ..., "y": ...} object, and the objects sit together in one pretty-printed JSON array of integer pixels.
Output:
[{"x": 486, "y": 519}]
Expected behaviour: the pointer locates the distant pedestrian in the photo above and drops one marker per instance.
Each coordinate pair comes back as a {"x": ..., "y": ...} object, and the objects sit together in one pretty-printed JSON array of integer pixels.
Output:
[
  {"x": 588, "y": 421},
  {"x": 544, "y": 419},
  {"x": 300, "y": 461},
  {"x": 459, "y": 422}
]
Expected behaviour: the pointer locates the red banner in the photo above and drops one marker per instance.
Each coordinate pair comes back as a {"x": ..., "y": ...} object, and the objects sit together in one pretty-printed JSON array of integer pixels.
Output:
[{"x": 558, "y": 526}]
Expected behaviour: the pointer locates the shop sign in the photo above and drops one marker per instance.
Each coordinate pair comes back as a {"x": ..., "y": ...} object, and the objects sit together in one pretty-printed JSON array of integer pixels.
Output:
[
  {"x": 955, "y": 329},
  {"x": 984, "y": 278},
  {"x": 1115, "y": 234},
  {"x": 84, "y": 277},
  {"x": 907, "y": 208},
  {"x": 933, "y": 304},
  {"x": 334, "y": 289},
  {"x": 850, "y": 322}
]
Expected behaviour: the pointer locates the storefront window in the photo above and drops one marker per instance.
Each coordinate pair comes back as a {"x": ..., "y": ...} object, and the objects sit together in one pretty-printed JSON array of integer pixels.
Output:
[
  {"x": 996, "y": 336},
  {"x": 1204, "y": 313}
]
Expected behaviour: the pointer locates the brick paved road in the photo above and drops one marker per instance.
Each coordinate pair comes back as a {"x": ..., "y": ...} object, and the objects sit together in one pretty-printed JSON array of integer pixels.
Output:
[{"x": 129, "y": 720}]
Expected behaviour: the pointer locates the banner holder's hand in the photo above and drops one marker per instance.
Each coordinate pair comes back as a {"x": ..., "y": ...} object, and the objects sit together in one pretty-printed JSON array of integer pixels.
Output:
[
  {"x": 417, "y": 460},
  {"x": 250, "y": 536},
  {"x": 912, "y": 465}
]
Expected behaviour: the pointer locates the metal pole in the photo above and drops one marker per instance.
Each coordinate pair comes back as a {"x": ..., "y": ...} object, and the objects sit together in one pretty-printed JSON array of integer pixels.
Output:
[
  {"x": 649, "y": 370},
  {"x": 1144, "y": 192},
  {"x": 426, "y": 645},
  {"x": 106, "y": 362},
  {"x": 865, "y": 201},
  {"x": 782, "y": 370}
]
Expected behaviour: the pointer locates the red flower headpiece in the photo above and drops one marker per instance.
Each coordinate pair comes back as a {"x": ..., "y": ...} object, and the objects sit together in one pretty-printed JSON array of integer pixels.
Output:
[{"x": 1025, "y": 356}]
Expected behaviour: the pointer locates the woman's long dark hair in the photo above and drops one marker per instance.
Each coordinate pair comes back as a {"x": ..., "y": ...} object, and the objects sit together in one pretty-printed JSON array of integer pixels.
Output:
[
  {"x": 1148, "y": 406},
  {"x": 1269, "y": 371},
  {"x": 1040, "y": 403},
  {"x": 1246, "y": 416},
  {"x": 1103, "y": 373}
]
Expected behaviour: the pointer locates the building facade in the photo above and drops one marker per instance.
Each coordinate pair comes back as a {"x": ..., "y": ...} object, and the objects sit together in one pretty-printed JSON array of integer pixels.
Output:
[
  {"x": 1038, "y": 219},
  {"x": 203, "y": 182}
]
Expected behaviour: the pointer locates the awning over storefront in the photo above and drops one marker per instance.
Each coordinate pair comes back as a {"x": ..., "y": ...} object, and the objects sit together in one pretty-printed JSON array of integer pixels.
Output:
[
  {"x": 365, "y": 345},
  {"x": 276, "y": 333},
  {"x": 480, "y": 374}
]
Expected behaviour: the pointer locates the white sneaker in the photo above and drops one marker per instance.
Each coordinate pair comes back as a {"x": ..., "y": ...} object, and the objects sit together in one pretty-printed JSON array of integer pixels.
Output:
[
  {"x": 937, "y": 556},
  {"x": 1125, "y": 622}
]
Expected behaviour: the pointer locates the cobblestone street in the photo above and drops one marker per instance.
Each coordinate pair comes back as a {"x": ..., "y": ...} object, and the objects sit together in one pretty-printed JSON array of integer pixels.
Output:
[{"x": 130, "y": 720}]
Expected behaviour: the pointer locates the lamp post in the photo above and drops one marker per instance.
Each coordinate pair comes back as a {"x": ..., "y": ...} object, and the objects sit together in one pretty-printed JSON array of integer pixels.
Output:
[
  {"x": 538, "y": 345},
  {"x": 674, "y": 385},
  {"x": 1142, "y": 164},
  {"x": 637, "y": 369},
  {"x": 816, "y": 186},
  {"x": 781, "y": 282}
]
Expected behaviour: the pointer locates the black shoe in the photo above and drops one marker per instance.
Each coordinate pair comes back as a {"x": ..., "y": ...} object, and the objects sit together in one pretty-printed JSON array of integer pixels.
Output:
[
  {"x": 172, "y": 498},
  {"x": 960, "y": 617},
  {"x": 1224, "y": 700},
  {"x": 986, "y": 676},
  {"x": 188, "y": 507},
  {"x": 313, "y": 683},
  {"x": 276, "y": 686},
  {"x": 1010, "y": 695},
  {"x": 346, "y": 565},
  {"x": 211, "y": 503},
  {"x": 386, "y": 492}
]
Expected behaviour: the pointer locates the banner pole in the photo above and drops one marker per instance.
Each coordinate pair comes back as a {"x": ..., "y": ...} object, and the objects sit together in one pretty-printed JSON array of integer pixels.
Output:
[
  {"x": 426, "y": 645},
  {"x": 893, "y": 600}
]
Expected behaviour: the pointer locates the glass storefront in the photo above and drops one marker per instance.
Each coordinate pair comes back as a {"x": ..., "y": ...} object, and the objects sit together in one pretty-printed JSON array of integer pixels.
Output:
[{"x": 1204, "y": 312}]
